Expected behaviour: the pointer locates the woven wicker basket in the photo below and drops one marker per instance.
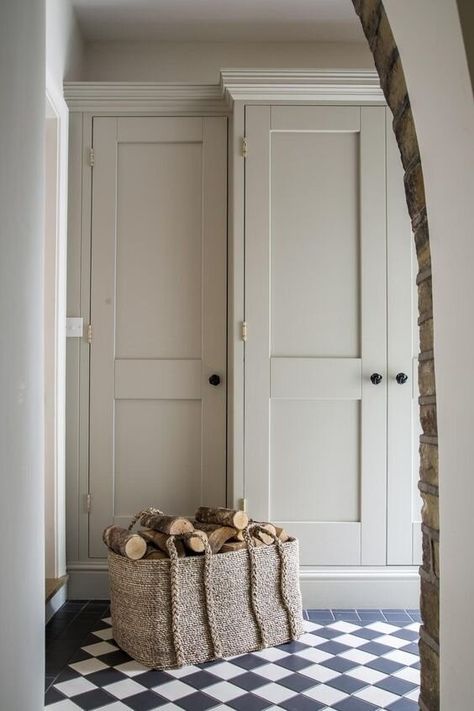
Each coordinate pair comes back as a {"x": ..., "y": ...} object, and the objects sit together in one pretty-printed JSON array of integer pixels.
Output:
[{"x": 168, "y": 613}]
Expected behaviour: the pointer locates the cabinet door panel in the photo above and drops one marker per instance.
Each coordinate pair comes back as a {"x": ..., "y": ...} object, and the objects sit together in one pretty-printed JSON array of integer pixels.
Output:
[{"x": 315, "y": 425}]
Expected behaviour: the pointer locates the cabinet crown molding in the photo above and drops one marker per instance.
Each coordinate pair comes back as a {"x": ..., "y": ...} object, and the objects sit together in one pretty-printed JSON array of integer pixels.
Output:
[{"x": 249, "y": 85}]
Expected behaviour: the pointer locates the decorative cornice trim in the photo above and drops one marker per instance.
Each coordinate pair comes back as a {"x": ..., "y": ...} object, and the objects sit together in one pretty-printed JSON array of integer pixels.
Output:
[{"x": 271, "y": 85}]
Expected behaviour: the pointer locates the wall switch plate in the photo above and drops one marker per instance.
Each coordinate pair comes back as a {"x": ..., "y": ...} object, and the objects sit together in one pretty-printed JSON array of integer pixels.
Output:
[{"x": 74, "y": 327}]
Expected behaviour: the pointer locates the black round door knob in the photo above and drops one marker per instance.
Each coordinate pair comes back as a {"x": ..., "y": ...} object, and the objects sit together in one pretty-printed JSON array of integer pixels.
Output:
[
  {"x": 214, "y": 379},
  {"x": 401, "y": 378},
  {"x": 376, "y": 378}
]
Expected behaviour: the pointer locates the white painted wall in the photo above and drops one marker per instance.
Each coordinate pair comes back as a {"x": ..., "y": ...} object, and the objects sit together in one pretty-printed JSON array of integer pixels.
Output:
[
  {"x": 64, "y": 44},
  {"x": 22, "y": 92},
  {"x": 64, "y": 53},
  {"x": 200, "y": 62},
  {"x": 429, "y": 36}
]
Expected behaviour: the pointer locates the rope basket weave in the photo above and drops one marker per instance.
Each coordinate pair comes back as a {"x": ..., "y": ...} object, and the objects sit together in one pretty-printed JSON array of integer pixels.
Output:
[{"x": 169, "y": 613}]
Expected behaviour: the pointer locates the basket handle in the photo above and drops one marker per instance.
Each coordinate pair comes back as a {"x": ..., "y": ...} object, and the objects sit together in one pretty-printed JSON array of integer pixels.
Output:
[
  {"x": 175, "y": 599},
  {"x": 292, "y": 620}
]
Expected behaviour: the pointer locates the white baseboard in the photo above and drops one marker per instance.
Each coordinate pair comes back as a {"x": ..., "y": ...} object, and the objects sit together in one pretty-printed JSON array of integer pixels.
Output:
[
  {"x": 328, "y": 587},
  {"x": 360, "y": 587},
  {"x": 57, "y": 601}
]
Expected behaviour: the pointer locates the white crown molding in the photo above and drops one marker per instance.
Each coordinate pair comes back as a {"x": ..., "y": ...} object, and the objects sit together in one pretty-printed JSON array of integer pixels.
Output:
[
  {"x": 270, "y": 85},
  {"x": 301, "y": 85},
  {"x": 143, "y": 97}
]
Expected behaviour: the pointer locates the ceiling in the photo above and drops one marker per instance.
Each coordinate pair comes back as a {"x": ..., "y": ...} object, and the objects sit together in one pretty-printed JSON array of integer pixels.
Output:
[{"x": 219, "y": 20}]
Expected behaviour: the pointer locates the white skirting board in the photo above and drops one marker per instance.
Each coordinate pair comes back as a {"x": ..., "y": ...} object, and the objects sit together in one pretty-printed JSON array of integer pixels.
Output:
[
  {"x": 57, "y": 601},
  {"x": 329, "y": 587}
]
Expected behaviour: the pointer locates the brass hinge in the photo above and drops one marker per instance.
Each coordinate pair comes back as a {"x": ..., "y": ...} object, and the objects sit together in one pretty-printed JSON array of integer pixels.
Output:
[
  {"x": 89, "y": 334},
  {"x": 91, "y": 157},
  {"x": 244, "y": 148},
  {"x": 243, "y": 504},
  {"x": 88, "y": 502},
  {"x": 243, "y": 331}
]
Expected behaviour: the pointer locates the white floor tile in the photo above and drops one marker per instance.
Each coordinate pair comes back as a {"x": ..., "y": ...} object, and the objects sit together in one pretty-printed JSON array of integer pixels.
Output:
[
  {"x": 100, "y": 648},
  {"x": 88, "y": 666},
  {"x": 224, "y": 691},
  {"x": 64, "y": 705},
  {"x": 350, "y": 640},
  {"x": 274, "y": 693},
  {"x": 390, "y": 641},
  {"x": 371, "y": 676},
  {"x": 343, "y": 626},
  {"x": 76, "y": 686},
  {"x": 225, "y": 670},
  {"x": 382, "y": 627},
  {"x": 325, "y": 694},
  {"x": 114, "y": 706},
  {"x": 132, "y": 668},
  {"x": 376, "y": 696},
  {"x": 104, "y": 634},
  {"x": 183, "y": 671},
  {"x": 309, "y": 626},
  {"x": 272, "y": 671},
  {"x": 415, "y": 627},
  {"x": 413, "y": 695},
  {"x": 314, "y": 640},
  {"x": 173, "y": 690},
  {"x": 320, "y": 673},
  {"x": 123, "y": 688},
  {"x": 272, "y": 654},
  {"x": 398, "y": 655},
  {"x": 107, "y": 620},
  {"x": 409, "y": 674},
  {"x": 357, "y": 655},
  {"x": 314, "y": 655}
]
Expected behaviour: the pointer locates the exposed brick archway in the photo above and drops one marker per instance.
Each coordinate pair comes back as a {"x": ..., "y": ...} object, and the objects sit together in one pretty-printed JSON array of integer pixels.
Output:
[{"x": 392, "y": 80}]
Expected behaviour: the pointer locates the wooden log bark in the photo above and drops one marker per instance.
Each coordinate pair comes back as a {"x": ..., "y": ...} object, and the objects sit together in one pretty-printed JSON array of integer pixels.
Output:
[
  {"x": 223, "y": 517},
  {"x": 282, "y": 534},
  {"x": 158, "y": 539},
  {"x": 153, "y": 553},
  {"x": 121, "y": 541},
  {"x": 268, "y": 540},
  {"x": 171, "y": 525},
  {"x": 196, "y": 543},
  {"x": 216, "y": 535}
]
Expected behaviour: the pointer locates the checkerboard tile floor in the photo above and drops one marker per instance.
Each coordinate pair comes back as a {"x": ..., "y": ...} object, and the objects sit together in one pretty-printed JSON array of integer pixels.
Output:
[{"x": 346, "y": 660}]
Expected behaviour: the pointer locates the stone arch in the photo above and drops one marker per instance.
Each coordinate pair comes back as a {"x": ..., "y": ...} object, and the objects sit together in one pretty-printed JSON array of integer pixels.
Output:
[{"x": 392, "y": 80}]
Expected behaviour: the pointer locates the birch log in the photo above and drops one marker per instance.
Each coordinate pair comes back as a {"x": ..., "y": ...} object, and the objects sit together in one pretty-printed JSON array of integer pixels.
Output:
[
  {"x": 158, "y": 539},
  {"x": 197, "y": 542},
  {"x": 223, "y": 517},
  {"x": 171, "y": 525},
  {"x": 130, "y": 545},
  {"x": 216, "y": 535}
]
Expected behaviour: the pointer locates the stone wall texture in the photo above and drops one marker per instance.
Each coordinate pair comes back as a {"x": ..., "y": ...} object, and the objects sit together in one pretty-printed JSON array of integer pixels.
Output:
[{"x": 392, "y": 80}]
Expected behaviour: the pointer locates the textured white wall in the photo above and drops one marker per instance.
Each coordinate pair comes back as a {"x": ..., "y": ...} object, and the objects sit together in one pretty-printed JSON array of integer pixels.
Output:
[
  {"x": 200, "y": 62},
  {"x": 429, "y": 37},
  {"x": 22, "y": 92}
]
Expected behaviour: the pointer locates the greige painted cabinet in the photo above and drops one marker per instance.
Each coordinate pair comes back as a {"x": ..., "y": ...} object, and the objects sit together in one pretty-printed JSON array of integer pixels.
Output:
[
  {"x": 328, "y": 303},
  {"x": 158, "y": 312}
]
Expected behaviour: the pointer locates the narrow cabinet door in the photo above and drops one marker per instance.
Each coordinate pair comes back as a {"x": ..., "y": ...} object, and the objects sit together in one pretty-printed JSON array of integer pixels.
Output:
[
  {"x": 158, "y": 313},
  {"x": 315, "y": 306}
]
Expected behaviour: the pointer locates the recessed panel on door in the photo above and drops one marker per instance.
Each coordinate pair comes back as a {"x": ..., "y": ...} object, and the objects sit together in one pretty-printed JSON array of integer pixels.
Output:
[{"x": 158, "y": 308}]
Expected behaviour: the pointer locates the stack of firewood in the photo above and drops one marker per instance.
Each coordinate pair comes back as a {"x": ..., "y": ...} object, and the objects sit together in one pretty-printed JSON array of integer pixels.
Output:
[{"x": 222, "y": 528}]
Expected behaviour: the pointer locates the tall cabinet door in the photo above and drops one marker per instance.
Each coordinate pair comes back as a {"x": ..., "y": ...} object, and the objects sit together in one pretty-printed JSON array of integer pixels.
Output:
[
  {"x": 315, "y": 305},
  {"x": 158, "y": 312}
]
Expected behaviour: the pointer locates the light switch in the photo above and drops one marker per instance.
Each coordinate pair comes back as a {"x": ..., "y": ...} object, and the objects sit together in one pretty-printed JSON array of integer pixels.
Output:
[{"x": 74, "y": 327}]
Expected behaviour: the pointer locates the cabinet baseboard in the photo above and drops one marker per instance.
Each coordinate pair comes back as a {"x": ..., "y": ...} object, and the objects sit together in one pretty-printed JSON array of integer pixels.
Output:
[{"x": 323, "y": 587}]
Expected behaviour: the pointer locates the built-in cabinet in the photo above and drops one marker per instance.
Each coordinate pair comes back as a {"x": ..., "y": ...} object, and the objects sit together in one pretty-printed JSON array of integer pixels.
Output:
[{"x": 247, "y": 271}]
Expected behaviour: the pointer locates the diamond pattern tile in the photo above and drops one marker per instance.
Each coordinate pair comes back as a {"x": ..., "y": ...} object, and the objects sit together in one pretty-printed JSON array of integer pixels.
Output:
[{"x": 346, "y": 660}]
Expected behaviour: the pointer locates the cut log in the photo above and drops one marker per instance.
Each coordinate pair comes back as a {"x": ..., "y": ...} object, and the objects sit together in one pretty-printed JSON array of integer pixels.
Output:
[
  {"x": 233, "y": 546},
  {"x": 196, "y": 543},
  {"x": 172, "y": 525},
  {"x": 223, "y": 517},
  {"x": 282, "y": 534},
  {"x": 216, "y": 535},
  {"x": 154, "y": 554},
  {"x": 121, "y": 541},
  {"x": 159, "y": 539},
  {"x": 268, "y": 540},
  {"x": 239, "y": 536}
]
